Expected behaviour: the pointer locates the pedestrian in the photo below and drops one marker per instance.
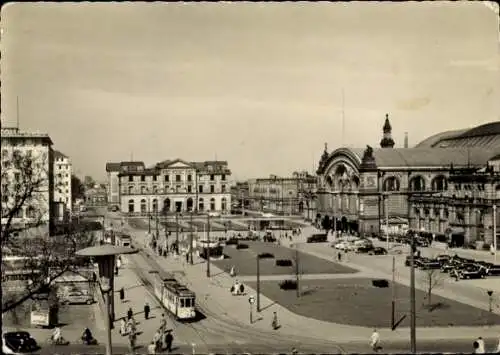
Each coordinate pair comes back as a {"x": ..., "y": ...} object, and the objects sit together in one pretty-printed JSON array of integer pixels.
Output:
[
  {"x": 157, "y": 340},
  {"x": 123, "y": 327},
  {"x": 340, "y": 256},
  {"x": 163, "y": 322},
  {"x": 275, "y": 321},
  {"x": 481, "y": 349},
  {"x": 151, "y": 348},
  {"x": 131, "y": 342},
  {"x": 375, "y": 341},
  {"x": 130, "y": 313},
  {"x": 122, "y": 294},
  {"x": 147, "y": 309},
  {"x": 475, "y": 347},
  {"x": 169, "y": 339}
]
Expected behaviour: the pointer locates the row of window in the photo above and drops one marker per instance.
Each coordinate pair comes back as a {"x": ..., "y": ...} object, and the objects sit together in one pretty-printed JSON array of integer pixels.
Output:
[
  {"x": 178, "y": 189},
  {"x": 167, "y": 205},
  {"x": 178, "y": 177},
  {"x": 439, "y": 183}
]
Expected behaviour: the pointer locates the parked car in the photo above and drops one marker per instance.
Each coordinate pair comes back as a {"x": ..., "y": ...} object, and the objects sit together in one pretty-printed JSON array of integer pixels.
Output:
[
  {"x": 317, "y": 238},
  {"x": 449, "y": 266},
  {"x": 364, "y": 249},
  {"x": 430, "y": 264},
  {"x": 342, "y": 246},
  {"x": 493, "y": 270},
  {"x": 472, "y": 272},
  {"x": 443, "y": 258},
  {"x": 378, "y": 251},
  {"x": 77, "y": 297},
  {"x": 18, "y": 343}
]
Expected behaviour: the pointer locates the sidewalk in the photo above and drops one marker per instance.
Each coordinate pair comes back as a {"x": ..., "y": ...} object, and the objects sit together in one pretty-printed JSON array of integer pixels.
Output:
[{"x": 214, "y": 295}]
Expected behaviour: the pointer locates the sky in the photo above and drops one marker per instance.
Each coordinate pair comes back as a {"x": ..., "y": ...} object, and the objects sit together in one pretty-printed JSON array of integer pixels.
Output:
[{"x": 261, "y": 85}]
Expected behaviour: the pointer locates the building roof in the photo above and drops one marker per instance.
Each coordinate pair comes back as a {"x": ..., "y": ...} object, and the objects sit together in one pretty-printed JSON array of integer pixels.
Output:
[
  {"x": 15, "y": 133},
  {"x": 418, "y": 157},
  {"x": 58, "y": 154},
  {"x": 491, "y": 128},
  {"x": 433, "y": 140},
  {"x": 119, "y": 166}
]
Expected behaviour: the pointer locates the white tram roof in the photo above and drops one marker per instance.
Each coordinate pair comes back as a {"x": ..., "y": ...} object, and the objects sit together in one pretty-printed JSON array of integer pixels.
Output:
[{"x": 179, "y": 289}]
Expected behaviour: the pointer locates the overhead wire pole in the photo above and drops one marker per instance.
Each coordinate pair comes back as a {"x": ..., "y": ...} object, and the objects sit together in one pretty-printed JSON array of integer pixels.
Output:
[
  {"x": 297, "y": 268},
  {"x": 413, "y": 307},
  {"x": 177, "y": 233},
  {"x": 191, "y": 238},
  {"x": 208, "y": 245}
]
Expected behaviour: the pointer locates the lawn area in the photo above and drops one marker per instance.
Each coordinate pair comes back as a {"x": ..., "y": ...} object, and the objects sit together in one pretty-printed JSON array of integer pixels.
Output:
[
  {"x": 356, "y": 302},
  {"x": 245, "y": 263}
]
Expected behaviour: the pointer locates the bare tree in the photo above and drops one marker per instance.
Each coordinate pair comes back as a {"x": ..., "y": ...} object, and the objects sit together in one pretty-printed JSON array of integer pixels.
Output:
[
  {"x": 25, "y": 215},
  {"x": 431, "y": 279}
]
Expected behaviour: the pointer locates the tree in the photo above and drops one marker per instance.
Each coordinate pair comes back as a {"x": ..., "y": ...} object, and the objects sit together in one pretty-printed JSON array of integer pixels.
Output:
[
  {"x": 88, "y": 182},
  {"x": 26, "y": 225},
  {"x": 77, "y": 188},
  {"x": 431, "y": 279}
]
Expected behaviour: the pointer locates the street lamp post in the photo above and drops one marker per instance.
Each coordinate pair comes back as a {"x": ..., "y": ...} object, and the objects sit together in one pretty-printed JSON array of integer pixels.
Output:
[
  {"x": 191, "y": 238},
  {"x": 177, "y": 233},
  {"x": 258, "y": 282},
  {"x": 105, "y": 256},
  {"x": 495, "y": 230},
  {"x": 413, "y": 307},
  {"x": 208, "y": 245}
]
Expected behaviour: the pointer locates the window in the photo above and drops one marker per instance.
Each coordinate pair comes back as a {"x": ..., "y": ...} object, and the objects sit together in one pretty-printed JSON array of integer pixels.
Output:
[
  {"x": 155, "y": 205},
  {"x": 224, "y": 204},
  {"x": 130, "y": 178},
  {"x": 223, "y": 177},
  {"x": 391, "y": 184},
  {"x": 212, "y": 188},
  {"x": 200, "y": 189},
  {"x": 439, "y": 183},
  {"x": 143, "y": 206},
  {"x": 190, "y": 189},
  {"x": 167, "y": 178},
  {"x": 143, "y": 178},
  {"x": 201, "y": 204},
  {"x": 177, "y": 177},
  {"x": 190, "y": 177},
  {"x": 131, "y": 206},
  {"x": 154, "y": 177},
  {"x": 212, "y": 204},
  {"x": 17, "y": 176},
  {"x": 143, "y": 190},
  {"x": 212, "y": 177},
  {"x": 417, "y": 184},
  {"x": 130, "y": 190},
  {"x": 223, "y": 188},
  {"x": 178, "y": 188}
]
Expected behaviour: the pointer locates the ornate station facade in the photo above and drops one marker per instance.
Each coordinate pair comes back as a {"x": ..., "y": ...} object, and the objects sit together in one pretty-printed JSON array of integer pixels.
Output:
[{"x": 448, "y": 185}]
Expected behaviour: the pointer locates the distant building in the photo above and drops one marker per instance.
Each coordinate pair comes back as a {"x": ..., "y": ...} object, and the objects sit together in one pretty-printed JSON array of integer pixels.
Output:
[
  {"x": 62, "y": 185},
  {"x": 35, "y": 148},
  {"x": 169, "y": 186},
  {"x": 96, "y": 196},
  {"x": 283, "y": 195},
  {"x": 358, "y": 188}
]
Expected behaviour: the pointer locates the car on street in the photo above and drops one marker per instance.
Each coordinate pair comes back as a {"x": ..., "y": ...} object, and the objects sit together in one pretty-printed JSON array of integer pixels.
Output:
[
  {"x": 342, "y": 246},
  {"x": 364, "y": 249},
  {"x": 472, "y": 272},
  {"x": 443, "y": 258},
  {"x": 430, "y": 264},
  {"x": 493, "y": 270},
  {"x": 77, "y": 297},
  {"x": 378, "y": 251},
  {"x": 449, "y": 266},
  {"x": 408, "y": 260},
  {"x": 317, "y": 238},
  {"x": 19, "y": 342}
]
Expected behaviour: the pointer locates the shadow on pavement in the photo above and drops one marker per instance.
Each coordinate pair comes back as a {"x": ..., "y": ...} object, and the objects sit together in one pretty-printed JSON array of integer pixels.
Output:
[{"x": 268, "y": 306}]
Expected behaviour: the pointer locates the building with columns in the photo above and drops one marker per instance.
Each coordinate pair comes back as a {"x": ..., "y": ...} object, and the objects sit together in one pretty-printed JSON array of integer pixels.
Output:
[
  {"x": 62, "y": 185},
  {"x": 169, "y": 186},
  {"x": 359, "y": 188}
]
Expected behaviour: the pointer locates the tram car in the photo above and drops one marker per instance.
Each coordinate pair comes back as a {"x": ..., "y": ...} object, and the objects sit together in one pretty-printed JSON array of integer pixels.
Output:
[
  {"x": 215, "y": 249},
  {"x": 175, "y": 297}
]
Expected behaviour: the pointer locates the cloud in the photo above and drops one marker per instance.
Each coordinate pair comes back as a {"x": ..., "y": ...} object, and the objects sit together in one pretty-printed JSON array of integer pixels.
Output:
[{"x": 415, "y": 103}]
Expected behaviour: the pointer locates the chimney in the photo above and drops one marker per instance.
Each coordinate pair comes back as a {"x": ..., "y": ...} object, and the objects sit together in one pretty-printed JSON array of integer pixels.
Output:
[{"x": 406, "y": 140}]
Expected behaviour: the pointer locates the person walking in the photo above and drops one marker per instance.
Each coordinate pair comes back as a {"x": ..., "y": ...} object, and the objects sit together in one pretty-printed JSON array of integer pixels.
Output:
[
  {"x": 147, "y": 309},
  {"x": 151, "y": 348},
  {"x": 131, "y": 342},
  {"x": 123, "y": 327},
  {"x": 274, "y": 323},
  {"x": 130, "y": 313},
  {"x": 163, "y": 323},
  {"x": 157, "y": 340},
  {"x": 375, "y": 341},
  {"x": 122, "y": 294},
  {"x": 169, "y": 339},
  {"x": 481, "y": 348}
]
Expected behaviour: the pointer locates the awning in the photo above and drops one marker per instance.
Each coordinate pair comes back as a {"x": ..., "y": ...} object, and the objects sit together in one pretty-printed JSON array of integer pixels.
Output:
[{"x": 455, "y": 230}]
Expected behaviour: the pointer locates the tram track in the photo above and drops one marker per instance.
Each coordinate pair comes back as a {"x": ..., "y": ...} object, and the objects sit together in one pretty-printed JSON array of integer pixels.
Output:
[{"x": 222, "y": 324}]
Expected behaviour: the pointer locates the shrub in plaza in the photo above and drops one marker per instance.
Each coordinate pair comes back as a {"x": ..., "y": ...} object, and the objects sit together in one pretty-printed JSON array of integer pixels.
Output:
[
  {"x": 284, "y": 262},
  {"x": 242, "y": 246},
  {"x": 380, "y": 283},
  {"x": 266, "y": 256},
  {"x": 288, "y": 285}
]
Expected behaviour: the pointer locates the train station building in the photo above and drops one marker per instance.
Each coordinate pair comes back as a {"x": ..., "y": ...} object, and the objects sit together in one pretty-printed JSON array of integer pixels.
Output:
[{"x": 447, "y": 185}]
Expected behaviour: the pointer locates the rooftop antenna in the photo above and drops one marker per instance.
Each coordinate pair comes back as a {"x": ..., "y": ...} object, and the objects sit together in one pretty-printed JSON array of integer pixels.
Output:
[
  {"x": 17, "y": 112},
  {"x": 343, "y": 117}
]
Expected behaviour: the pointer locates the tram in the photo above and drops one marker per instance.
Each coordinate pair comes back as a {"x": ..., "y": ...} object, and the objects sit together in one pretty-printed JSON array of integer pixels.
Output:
[{"x": 175, "y": 297}]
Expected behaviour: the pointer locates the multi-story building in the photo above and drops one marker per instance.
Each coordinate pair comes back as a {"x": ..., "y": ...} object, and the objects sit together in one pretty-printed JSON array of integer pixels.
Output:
[
  {"x": 361, "y": 189},
  {"x": 170, "y": 186},
  {"x": 239, "y": 197},
  {"x": 283, "y": 195},
  {"x": 62, "y": 185},
  {"x": 27, "y": 179}
]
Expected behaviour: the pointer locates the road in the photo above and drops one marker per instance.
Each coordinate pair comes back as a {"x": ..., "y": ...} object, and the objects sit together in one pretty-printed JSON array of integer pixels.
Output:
[{"x": 458, "y": 346}]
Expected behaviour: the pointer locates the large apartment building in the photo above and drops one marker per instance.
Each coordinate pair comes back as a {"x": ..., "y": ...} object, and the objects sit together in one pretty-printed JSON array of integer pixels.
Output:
[
  {"x": 62, "y": 185},
  {"x": 27, "y": 172},
  {"x": 169, "y": 186}
]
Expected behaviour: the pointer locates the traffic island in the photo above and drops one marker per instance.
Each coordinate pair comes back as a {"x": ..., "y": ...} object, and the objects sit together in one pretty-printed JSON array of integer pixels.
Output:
[{"x": 358, "y": 302}]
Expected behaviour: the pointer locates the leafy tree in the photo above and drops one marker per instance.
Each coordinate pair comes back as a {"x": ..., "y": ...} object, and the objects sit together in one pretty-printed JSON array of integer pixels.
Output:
[
  {"x": 77, "y": 188},
  {"x": 88, "y": 182},
  {"x": 25, "y": 216}
]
